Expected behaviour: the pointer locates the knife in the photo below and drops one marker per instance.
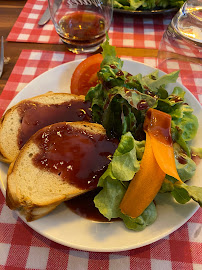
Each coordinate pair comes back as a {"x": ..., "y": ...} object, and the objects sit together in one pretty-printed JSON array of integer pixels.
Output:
[{"x": 46, "y": 16}]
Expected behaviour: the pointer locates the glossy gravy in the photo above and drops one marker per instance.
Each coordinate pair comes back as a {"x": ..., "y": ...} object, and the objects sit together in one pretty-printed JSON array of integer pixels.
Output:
[
  {"x": 35, "y": 116},
  {"x": 79, "y": 157},
  {"x": 84, "y": 206}
]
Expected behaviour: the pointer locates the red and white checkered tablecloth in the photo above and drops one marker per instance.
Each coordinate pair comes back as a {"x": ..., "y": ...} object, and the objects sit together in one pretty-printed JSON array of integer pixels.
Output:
[
  {"x": 23, "y": 248},
  {"x": 134, "y": 31}
]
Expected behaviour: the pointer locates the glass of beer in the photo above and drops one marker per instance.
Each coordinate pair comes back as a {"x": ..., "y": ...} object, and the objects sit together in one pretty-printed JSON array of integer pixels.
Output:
[{"x": 81, "y": 24}]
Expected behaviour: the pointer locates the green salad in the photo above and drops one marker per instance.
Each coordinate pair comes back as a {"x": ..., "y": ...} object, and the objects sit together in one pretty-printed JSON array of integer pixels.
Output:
[
  {"x": 147, "y": 4},
  {"x": 119, "y": 102}
]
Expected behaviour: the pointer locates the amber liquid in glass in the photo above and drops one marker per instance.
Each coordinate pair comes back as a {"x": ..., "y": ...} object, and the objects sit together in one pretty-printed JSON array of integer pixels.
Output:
[{"x": 82, "y": 29}]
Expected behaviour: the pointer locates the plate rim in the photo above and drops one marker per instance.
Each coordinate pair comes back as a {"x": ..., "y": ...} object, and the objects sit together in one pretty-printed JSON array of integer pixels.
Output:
[{"x": 145, "y": 12}]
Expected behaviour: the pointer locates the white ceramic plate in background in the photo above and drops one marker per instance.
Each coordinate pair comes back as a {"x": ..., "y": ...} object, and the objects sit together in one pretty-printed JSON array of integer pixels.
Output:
[
  {"x": 69, "y": 229},
  {"x": 145, "y": 12}
]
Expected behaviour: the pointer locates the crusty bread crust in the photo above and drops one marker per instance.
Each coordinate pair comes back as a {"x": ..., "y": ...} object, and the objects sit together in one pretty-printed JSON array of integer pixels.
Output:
[
  {"x": 35, "y": 192},
  {"x": 10, "y": 122}
]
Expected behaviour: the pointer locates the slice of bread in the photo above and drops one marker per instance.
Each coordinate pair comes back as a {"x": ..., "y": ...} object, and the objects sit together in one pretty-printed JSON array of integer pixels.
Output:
[
  {"x": 11, "y": 121},
  {"x": 36, "y": 191}
]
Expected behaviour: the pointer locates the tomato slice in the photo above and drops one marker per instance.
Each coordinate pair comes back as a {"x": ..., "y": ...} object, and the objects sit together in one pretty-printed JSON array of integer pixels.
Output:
[{"x": 85, "y": 75}]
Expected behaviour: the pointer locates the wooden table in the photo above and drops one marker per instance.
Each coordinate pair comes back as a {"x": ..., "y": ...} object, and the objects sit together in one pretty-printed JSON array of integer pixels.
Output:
[{"x": 9, "y": 12}]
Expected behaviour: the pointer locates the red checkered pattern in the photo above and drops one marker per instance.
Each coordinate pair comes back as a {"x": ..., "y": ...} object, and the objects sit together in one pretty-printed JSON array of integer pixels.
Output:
[
  {"x": 23, "y": 248},
  {"x": 174, "y": 43},
  {"x": 125, "y": 31}
]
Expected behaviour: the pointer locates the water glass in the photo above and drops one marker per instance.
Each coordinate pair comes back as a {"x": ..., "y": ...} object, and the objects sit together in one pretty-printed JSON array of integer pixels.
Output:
[
  {"x": 181, "y": 44},
  {"x": 81, "y": 24}
]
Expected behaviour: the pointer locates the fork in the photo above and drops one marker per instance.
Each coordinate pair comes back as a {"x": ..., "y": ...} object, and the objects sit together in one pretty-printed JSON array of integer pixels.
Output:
[{"x": 2, "y": 56}]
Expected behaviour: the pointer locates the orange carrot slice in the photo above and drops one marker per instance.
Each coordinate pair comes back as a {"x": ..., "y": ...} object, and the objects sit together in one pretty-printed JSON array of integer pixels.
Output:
[
  {"x": 158, "y": 126},
  {"x": 145, "y": 184},
  {"x": 157, "y": 161}
]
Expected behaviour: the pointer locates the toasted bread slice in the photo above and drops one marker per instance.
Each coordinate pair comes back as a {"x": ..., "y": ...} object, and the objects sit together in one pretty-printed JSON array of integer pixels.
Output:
[
  {"x": 36, "y": 190},
  {"x": 12, "y": 121}
]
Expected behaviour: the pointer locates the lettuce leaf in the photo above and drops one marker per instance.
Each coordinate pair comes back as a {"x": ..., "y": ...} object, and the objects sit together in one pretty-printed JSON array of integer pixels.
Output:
[
  {"x": 146, "y": 218},
  {"x": 183, "y": 193},
  {"x": 147, "y": 4},
  {"x": 119, "y": 102},
  {"x": 178, "y": 138},
  {"x": 180, "y": 194},
  {"x": 184, "y": 122},
  {"x": 109, "y": 55},
  {"x": 115, "y": 180},
  {"x": 126, "y": 159},
  {"x": 97, "y": 97},
  {"x": 125, "y": 163},
  {"x": 110, "y": 197},
  {"x": 119, "y": 117},
  {"x": 187, "y": 122},
  {"x": 186, "y": 167},
  {"x": 193, "y": 192},
  {"x": 162, "y": 81},
  {"x": 134, "y": 98}
]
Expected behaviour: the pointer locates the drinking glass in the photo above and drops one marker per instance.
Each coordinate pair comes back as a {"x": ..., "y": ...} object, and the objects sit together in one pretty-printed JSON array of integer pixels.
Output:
[
  {"x": 181, "y": 44},
  {"x": 81, "y": 24}
]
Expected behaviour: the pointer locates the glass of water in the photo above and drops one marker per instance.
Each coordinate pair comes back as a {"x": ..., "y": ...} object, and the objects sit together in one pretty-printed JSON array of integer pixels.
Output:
[
  {"x": 181, "y": 44},
  {"x": 81, "y": 24}
]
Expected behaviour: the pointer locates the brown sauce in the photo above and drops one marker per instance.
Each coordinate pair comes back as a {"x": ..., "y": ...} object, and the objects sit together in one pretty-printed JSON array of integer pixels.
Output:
[
  {"x": 195, "y": 158},
  {"x": 120, "y": 73},
  {"x": 84, "y": 206},
  {"x": 79, "y": 158},
  {"x": 181, "y": 160},
  {"x": 35, "y": 116},
  {"x": 162, "y": 130},
  {"x": 175, "y": 99},
  {"x": 142, "y": 105},
  {"x": 149, "y": 92},
  {"x": 112, "y": 66}
]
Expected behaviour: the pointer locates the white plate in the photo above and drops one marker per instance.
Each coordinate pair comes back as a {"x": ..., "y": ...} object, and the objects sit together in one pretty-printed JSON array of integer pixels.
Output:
[
  {"x": 69, "y": 229},
  {"x": 144, "y": 12}
]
